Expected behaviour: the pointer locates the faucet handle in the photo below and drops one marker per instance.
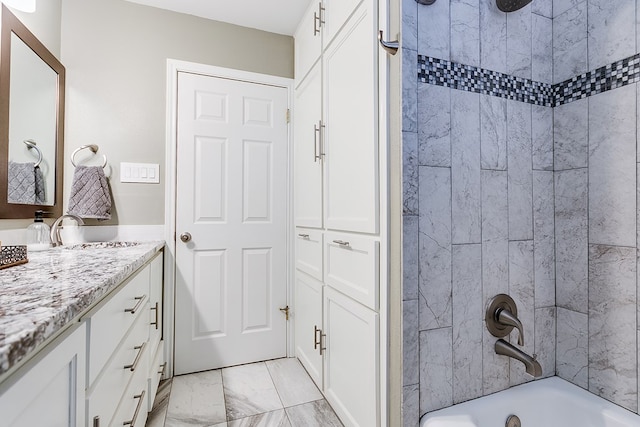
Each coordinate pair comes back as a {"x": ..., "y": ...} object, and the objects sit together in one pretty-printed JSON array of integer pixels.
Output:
[
  {"x": 502, "y": 316},
  {"x": 505, "y": 317}
]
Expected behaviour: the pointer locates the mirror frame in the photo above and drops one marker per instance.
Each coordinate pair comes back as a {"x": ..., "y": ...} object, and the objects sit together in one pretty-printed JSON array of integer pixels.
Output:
[{"x": 11, "y": 24}]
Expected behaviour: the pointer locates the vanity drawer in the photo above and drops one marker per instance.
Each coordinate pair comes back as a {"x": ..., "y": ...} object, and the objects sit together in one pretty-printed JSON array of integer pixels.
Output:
[
  {"x": 352, "y": 267},
  {"x": 112, "y": 321},
  {"x": 309, "y": 252},
  {"x": 157, "y": 369},
  {"x": 132, "y": 410},
  {"x": 131, "y": 357}
]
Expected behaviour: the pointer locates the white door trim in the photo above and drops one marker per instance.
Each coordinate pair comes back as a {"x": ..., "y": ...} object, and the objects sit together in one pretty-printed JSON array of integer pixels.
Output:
[{"x": 173, "y": 68}]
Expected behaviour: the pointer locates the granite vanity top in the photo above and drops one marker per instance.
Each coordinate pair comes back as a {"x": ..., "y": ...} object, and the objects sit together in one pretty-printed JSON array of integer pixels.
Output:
[{"x": 40, "y": 298}]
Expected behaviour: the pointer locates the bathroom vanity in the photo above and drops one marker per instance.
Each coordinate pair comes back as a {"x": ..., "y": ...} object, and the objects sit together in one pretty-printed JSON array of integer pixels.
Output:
[{"x": 81, "y": 336}]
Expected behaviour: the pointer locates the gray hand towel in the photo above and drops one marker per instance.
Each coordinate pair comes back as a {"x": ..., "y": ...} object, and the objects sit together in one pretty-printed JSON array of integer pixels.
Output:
[
  {"x": 41, "y": 197},
  {"x": 90, "y": 193},
  {"x": 21, "y": 186}
]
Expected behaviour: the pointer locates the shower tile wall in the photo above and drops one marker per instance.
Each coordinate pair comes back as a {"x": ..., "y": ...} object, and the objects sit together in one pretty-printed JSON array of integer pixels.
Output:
[
  {"x": 506, "y": 196},
  {"x": 478, "y": 202}
]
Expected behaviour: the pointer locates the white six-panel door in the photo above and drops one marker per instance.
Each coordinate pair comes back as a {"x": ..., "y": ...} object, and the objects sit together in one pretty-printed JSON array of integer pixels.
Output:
[{"x": 231, "y": 277}]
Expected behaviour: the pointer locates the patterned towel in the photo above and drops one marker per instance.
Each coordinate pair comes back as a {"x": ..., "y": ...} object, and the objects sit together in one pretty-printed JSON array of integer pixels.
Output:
[
  {"x": 21, "y": 188},
  {"x": 90, "y": 193},
  {"x": 41, "y": 197}
]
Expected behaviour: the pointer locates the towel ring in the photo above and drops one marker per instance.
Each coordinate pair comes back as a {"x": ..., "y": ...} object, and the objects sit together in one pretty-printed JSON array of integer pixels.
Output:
[
  {"x": 30, "y": 143},
  {"x": 93, "y": 148}
]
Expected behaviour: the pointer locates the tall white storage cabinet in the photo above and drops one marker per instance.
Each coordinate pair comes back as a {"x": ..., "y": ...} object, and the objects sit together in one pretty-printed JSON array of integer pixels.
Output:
[{"x": 337, "y": 205}]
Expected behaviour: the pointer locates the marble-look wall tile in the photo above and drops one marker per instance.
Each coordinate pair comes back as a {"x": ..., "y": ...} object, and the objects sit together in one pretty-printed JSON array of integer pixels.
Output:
[
  {"x": 570, "y": 43},
  {"x": 493, "y": 37},
  {"x": 611, "y": 30},
  {"x": 521, "y": 289},
  {"x": 519, "y": 42},
  {"x": 520, "y": 171},
  {"x": 542, "y": 137},
  {"x": 465, "y": 32},
  {"x": 465, "y": 167},
  {"x": 545, "y": 340},
  {"x": 612, "y": 167},
  {"x": 411, "y": 405},
  {"x": 467, "y": 322},
  {"x": 495, "y": 269},
  {"x": 543, "y": 239},
  {"x": 436, "y": 369},
  {"x": 541, "y": 48},
  {"x": 561, "y": 6},
  {"x": 612, "y": 324},
  {"x": 409, "y": 91},
  {"x": 435, "y": 248},
  {"x": 410, "y": 257},
  {"x": 572, "y": 362},
  {"x": 434, "y": 125},
  {"x": 410, "y": 340},
  {"x": 493, "y": 132},
  {"x": 495, "y": 235},
  {"x": 571, "y": 135},
  {"x": 434, "y": 30},
  {"x": 571, "y": 228},
  {"x": 410, "y": 25},
  {"x": 410, "y": 173},
  {"x": 495, "y": 368},
  {"x": 543, "y": 8}
]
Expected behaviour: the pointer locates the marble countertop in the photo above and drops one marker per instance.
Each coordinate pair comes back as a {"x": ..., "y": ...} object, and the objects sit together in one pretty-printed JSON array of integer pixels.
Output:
[{"x": 40, "y": 298}]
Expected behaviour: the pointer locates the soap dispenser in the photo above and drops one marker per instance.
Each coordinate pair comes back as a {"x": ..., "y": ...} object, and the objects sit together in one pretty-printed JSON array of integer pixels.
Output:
[{"x": 38, "y": 237}]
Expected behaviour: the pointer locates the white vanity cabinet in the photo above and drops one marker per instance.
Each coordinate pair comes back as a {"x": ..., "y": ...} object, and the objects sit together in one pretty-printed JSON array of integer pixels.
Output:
[{"x": 48, "y": 390}]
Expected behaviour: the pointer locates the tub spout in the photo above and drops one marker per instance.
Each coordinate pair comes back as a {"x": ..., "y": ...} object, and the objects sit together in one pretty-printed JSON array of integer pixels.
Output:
[{"x": 505, "y": 349}]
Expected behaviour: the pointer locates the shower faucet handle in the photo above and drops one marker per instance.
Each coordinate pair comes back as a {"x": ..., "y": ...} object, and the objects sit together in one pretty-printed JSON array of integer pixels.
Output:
[
  {"x": 502, "y": 316},
  {"x": 505, "y": 317}
]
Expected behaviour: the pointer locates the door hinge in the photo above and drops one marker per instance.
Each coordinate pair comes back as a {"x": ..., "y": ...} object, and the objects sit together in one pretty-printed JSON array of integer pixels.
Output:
[
  {"x": 285, "y": 311},
  {"x": 288, "y": 115}
]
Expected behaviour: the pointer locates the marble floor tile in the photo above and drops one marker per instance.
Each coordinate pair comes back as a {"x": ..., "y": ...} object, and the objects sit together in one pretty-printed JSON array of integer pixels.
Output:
[
  {"x": 313, "y": 414},
  {"x": 196, "y": 400},
  {"x": 158, "y": 414},
  {"x": 249, "y": 390},
  {"x": 292, "y": 382},
  {"x": 269, "y": 419}
]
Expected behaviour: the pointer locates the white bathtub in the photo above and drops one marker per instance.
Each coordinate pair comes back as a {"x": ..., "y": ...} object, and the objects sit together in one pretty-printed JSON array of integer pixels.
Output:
[{"x": 551, "y": 402}]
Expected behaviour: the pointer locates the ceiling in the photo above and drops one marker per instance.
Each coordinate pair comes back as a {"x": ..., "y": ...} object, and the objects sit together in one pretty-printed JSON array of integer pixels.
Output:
[{"x": 275, "y": 16}]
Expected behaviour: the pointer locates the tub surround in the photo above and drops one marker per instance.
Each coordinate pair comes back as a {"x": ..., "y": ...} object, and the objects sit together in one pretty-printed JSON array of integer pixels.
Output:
[{"x": 40, "y": 298}]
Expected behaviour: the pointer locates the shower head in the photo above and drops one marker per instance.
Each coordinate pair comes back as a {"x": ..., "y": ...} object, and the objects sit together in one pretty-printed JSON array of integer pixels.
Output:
[
  {"x": 426, "y": 2},
  {"x": 511, "y": 5}
]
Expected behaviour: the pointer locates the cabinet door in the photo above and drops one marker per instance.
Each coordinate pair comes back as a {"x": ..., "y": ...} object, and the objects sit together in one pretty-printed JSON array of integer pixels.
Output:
[
  {"x": 351, "y": 359},
  {"x": 51, "y": 393},
  {"x": 308, "y": 41},
  {"x": 351, "y": 119},
  {"x": 335, "y": 16},
  {"x": 307, "y": 146},
  {"x": 309, "y": 252},
  {"x": 308, "y": 319}
]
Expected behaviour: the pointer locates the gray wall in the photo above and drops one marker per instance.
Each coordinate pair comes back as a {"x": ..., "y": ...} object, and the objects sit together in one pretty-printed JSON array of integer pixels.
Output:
[
  {"x": 478, "y": 203},
  {"x": 596, "y": 204},
  {"x": 115, "y": 53}
]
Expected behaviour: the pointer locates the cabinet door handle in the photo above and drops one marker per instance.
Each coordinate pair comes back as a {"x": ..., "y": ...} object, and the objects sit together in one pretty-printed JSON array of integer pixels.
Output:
[
  {"x": 323, "y": 339},
  {"x": 140, "y": 349},
  {"x": 156, "y": 311},
  {"x": 316, "y": 132},
  {"x": 162, "y": 368},
  {"x": 321, "y": 127},
  {"x": 341, "y": 242},
  {"x": 96, "y": 421},
  {"x": 316, "y": 341},
  {"x": 135, "y": 414},
  {"x": 303, "y": 236},
  {"x": 137, "y": 306},
  {"x": 316, "y": 30}
]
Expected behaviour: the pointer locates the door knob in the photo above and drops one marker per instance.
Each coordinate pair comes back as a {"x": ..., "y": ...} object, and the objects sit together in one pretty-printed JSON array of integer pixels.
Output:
[{"x": 185, "y": 237}]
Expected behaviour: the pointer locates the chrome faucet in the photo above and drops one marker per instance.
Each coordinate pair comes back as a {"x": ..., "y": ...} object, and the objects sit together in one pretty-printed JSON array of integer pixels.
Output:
[
  {"x": 502, "y": 316},
  {"x": 505, "y": 349},
  {"x": 56, "y": 240}
]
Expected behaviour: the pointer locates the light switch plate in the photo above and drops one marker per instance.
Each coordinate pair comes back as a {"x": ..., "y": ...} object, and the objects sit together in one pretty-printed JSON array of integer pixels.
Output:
[{"x": 148, "y": 173}]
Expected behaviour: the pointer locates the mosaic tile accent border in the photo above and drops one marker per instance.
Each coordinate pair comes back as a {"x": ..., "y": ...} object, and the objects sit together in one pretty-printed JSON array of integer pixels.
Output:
[{"x": 479, "y": 80}]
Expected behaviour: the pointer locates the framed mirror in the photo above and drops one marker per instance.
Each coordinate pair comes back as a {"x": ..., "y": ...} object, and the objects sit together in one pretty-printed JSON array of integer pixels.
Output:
[{"x": 31, "y": 123}]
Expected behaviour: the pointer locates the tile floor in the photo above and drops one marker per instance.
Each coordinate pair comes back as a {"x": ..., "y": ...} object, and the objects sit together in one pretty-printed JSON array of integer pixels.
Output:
[{"x": 275, "y": 393}]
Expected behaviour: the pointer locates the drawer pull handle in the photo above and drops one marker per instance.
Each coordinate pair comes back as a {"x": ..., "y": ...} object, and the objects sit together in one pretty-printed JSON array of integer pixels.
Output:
[
  {"x": 137, "y": 306},
  {"x": 323, "y": 340},
  {"x": 341, "y": 242},
  {"x": 140, "y": 349},
  {"x": 162, "y": 369},
  {"x": 96, "y": 421},
  {"x": 135, "y": 414},
  {"x": 304, "y": 236},
  {"x": 316, "y": 341},
  {"x": 156, "y": 311}
]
